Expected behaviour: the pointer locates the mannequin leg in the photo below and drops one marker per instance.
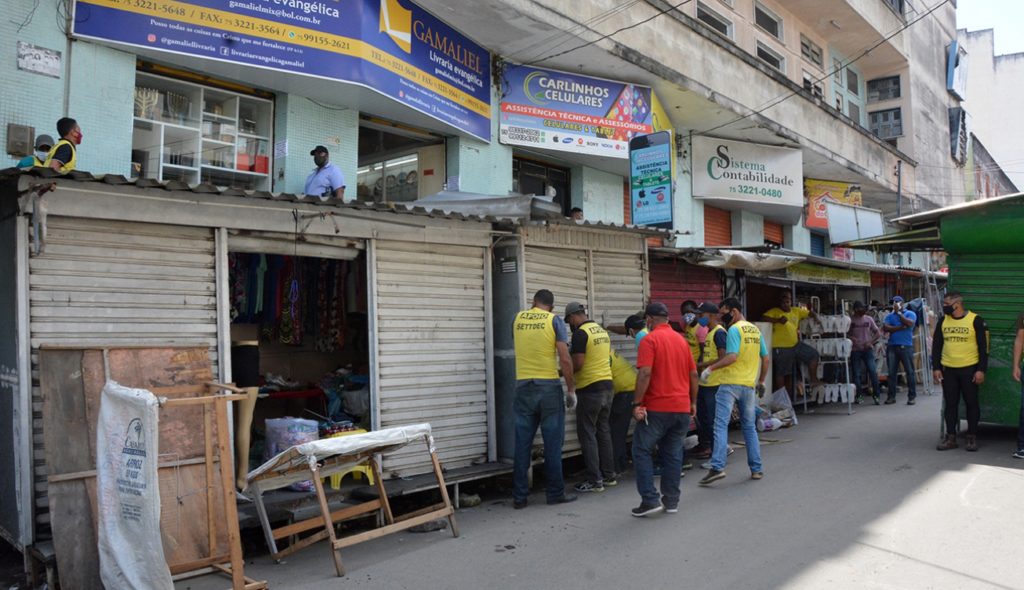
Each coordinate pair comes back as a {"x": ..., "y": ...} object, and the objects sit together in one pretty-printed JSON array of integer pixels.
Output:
[{"x": 243, "y": 434}]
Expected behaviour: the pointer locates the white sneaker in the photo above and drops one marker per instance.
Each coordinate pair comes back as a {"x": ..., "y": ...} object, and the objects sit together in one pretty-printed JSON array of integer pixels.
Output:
[{"x": 705, "y": 465}]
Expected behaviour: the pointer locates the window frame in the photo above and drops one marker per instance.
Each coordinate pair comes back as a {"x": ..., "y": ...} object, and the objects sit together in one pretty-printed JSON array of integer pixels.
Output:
[
  {"x": 781, "y": 35},
  {"x": 729, "y": 27},
  {"x": 872, "y": 126},
  {"x": 814, "y": 83},
  {"x": 781, "y": 68},
  {"x": 885, "y": 79},
  {"x": 821, "y": 52}
]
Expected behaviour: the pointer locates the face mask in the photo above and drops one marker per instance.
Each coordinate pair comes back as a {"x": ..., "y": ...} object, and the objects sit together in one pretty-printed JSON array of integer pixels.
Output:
[
  {"x": 727, "y": 318},
  {"x": 41, "y": 154},
  {"x": 319, "y": 161},
  {"x": 689, "y": 318},
  {"x": 78, "y": 138},
  {"x": 704, "y": 322},
  {"x": 947, "y": 309}
]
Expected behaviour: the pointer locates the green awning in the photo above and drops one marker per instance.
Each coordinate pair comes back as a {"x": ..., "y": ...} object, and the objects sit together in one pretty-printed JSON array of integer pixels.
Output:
[{"x": 924, "y": 238}]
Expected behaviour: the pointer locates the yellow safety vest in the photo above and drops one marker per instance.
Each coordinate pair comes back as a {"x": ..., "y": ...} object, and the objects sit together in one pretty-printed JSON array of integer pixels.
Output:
[
  {"x": 596, "y": 363},
  {"x": 748, "y": 362},
  {"x": 959, "y": 341},
  {"x": 711, "y": 356},
  {"x": 623, "y": 374},
  {"x": 534, "y": 336},
  {"x": 68, "y": 166},
  {"x": 690, "y": 334}
]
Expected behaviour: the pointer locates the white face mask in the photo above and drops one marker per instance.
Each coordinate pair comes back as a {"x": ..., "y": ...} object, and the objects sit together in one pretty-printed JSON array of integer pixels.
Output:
[{"x": 41, "y": 154}]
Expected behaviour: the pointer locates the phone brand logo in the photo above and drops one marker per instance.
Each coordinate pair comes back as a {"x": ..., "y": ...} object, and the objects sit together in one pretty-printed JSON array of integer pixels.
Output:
[{"x": 567, "y": 140}]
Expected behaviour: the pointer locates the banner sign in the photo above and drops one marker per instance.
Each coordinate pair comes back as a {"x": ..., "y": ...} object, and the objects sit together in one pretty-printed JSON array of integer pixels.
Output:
[
  {"x": 574, "y": 113},
  {"x": 735, "y": 170},
  {"x": 391, "y": 46},
  {"x": 128, "y": 490},
  {"x": 821, "y": 192},
  {"x": 828, "y": 275},
  {"x": 650, "y": 179}
]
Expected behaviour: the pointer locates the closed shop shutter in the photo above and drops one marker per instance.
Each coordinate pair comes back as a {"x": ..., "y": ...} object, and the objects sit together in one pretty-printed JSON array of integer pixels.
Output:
[
  {"x": 993, "y": 292},
  {"x": 111, "y": 283},
  {"x": 564, "y": 273},
  {"x": 618, "y": 293},
  {"x": 673, "y": 281},
  {"x": 817, "y": 245},
  {"x": 717, "y": 226},
  {"x": 431, "y": 322},
  {"x": 773, "y": 232}
]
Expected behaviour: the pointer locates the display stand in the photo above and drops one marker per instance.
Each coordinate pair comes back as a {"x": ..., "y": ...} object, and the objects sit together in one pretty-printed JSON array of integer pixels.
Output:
[
  {"x": 324, "y": 458},
  {"x": 834, "y": 350}
]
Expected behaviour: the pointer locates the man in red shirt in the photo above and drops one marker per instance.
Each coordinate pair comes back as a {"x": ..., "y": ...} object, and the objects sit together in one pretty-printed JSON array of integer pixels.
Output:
[{"x": 661, "y": 407}]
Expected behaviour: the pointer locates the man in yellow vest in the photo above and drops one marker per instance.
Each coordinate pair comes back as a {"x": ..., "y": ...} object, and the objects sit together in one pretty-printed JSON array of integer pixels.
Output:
[
  {"x": 63, "y": 156},
  {"x": 43, "y": 145},
  {"x": 692, "y": 331},
  {"x": 740, "y": 375},
  {"x": 960, "y": 359},
  {"x": 787, "y": 348},
  {"x": 541, "y": 347},
  {"x": 714, "y": 349},
  {"x": 591, "y": 351},
  {"x": 621, "y": 414}
]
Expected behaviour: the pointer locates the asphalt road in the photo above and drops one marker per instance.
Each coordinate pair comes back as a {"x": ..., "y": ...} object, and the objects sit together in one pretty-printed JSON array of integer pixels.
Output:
[{"x": 862, "y": 501}]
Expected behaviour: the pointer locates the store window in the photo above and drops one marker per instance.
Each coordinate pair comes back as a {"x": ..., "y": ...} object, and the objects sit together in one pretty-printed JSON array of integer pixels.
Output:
[
  {"x": 390, "y": 181},
  {"x": 771, "y": 58},
  {"x": 194, "y": 133},
  {"x": 530, "y": 177},
  {"x": 887, "y": 124},
  {"x": 714, "y": 20},
  {"x": 768, "y": 21},
  {"x": 811, "y": 51},
  {"x": 896, "y": 5},
  {"x": 883, "y": 88},
  {"x": 398, "y": 163},
  {"x": 813, "y": 85}
]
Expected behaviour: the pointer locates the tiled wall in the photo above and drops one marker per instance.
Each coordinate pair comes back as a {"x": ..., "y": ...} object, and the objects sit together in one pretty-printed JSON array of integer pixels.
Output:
[
  {"x": 484, "y": 168},
  {"x": 305, "y": 124}
]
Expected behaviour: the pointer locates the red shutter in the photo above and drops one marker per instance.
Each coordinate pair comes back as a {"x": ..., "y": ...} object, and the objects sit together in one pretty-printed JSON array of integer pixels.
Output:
[
  {"x": 627, "y": 204},
  {"x": 717, "y": 227},
  {"x": 773, "y": 232},
  {"x": 674, "y": 281}
]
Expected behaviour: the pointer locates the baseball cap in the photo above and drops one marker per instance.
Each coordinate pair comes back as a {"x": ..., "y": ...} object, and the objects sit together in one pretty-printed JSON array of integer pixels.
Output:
[
  {"x": 573, "y": 307},
  {"x": 44, "y": 140},
  {"x": 657, "y": 310},
  {"x": 318, "y": 149},
  {"x": 897, "y": 299},
  {"x": 707, "y": 307},
  {"x": 859, "y": 305}
]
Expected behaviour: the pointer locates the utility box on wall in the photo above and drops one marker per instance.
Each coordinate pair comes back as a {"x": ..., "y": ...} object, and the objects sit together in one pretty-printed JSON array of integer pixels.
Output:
[{"x": 20, "y": 139}]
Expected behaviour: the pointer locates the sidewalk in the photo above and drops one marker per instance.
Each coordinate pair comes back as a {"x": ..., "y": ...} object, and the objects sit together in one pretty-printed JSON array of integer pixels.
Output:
[{"x": 852, "y": 502}]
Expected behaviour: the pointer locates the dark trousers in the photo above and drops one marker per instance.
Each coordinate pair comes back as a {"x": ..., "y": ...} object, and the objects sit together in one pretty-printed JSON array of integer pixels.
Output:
[
  {"x": 1020, "y": 428},
  {"x": 592, "y": 411},
  {"x": 618, "y": 420},
  {"x": 706, "y": 416},
  {"x": 538, "y": 404},
  {"x": 896, "y": 355},
  {"x": 663, "y": 431},
  {"x": 957, "y": 383},
  {"x": 865, "y": 359}
]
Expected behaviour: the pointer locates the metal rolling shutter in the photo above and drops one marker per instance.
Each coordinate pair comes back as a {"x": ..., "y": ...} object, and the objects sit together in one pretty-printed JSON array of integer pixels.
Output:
[
  {"x": 431, "y": 348},
  {"x": 674, "y": 281},
  {"x": 773, "y": 232},
  {"x": 817, "y": 244},
  {"x": 618, "y": 293},
  {"x": 564, "y": 273},
  {"x": 717, "y": 226},
  {"x": 111, "y": 283}
]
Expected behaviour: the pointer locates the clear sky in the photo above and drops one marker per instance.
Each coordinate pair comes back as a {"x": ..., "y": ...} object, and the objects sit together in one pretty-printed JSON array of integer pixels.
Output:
[{"x": 1005, "y": 16}]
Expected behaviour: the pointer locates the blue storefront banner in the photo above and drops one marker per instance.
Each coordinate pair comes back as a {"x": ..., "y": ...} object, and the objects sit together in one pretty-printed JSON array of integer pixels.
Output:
[
  {"x": 390, "y": 46},
  {"x": 574, "y": 113},
  {"x": 650, "y": 183}
]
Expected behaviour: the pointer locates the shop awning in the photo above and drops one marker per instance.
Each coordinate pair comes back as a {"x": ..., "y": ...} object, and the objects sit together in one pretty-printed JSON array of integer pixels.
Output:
[
  {"x": 739, "y": 259},
  {"x": 924, "y": 238}
]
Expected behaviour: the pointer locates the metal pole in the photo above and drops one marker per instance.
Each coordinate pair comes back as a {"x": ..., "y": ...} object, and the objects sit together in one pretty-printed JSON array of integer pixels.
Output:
[{"x": 899, "y": 188}]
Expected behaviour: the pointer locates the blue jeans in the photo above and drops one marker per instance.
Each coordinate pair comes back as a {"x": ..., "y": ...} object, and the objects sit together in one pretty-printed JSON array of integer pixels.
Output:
[
  {"x": 538, "y": 403},
  {"x": 895, "y": 355},
  {"x": 666, "y": 431},
  {"x": 706, "y": 416},
  {"x": 746, "y": 398},
  {"x": 867, "y": 357}
]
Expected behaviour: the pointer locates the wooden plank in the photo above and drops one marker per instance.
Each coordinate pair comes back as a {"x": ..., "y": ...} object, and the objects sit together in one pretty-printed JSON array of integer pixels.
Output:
[
  {"x": 318, "y": 521},
  {"x": 185, "y": 516},
  {"x": 227, "y": 483},
  {"x": 69, "y": 449},
  {"x": 391, "y": 528},
  {"x": 328, "y": 523},
  {"x": 92, "y": 472}
]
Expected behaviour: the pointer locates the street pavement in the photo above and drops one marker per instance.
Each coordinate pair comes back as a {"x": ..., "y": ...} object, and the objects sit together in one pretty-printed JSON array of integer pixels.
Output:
[{"x": 861, "y": 501}]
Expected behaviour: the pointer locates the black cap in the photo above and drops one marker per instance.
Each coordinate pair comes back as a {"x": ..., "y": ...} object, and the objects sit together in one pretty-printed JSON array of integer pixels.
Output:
[
  {"x": 707, "y": 307},
  {"x": 635, "y": 321},
  {"x": 859, "y": 305},
  {"x": 573, "y": 308},
  {"x": 318, "y": 149},
  {"x": 656, "y": 310}
]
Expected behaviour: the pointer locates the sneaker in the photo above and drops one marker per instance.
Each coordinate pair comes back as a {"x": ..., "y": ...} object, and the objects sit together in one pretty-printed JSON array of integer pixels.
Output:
[
  {"x": 687, "y": 465},
  {"x": 972, "y": 443},
  {"x": 586, "y": 487},
  {"x": 563, "y": 499},
  {"x": 610, "y": 482},
  {"x": 712, "y": 476},
  {"x": 644, "y": 509},
  {"x": 730, "y": 451},
  {"x": 757, "y": 475},
  {"x": 672, "y": 510},
  {"x": 876, "y": 400},
  {"x": 857, "y": 400},
  {"x": 702, "y": 454},
  {"x": 890, "y": 401},
  {"x": 519, "y": 504},
  {"x": 1019, "y": 454},
  {"x": 911, "y": 401},
  {"x": 705, "y": 465}
]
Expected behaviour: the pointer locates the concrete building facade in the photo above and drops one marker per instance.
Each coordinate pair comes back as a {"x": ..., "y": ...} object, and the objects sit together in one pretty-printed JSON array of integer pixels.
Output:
[{"x": 857, "y": 87}]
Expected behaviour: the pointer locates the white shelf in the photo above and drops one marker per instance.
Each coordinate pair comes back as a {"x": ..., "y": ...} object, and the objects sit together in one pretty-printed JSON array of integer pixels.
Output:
[
  {"x": 234, "y": 171},
  {"x": 219, "y": 143},
  {"x": 251, "y": 136},
  {"x": 180, "y": 167},
  {"x": 166, "y": 124},
  {"x": 218, "y": 118}
]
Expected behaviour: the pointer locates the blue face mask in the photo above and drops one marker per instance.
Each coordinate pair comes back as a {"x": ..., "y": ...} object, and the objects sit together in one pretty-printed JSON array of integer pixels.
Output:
[{"x": 704, "y": 322}]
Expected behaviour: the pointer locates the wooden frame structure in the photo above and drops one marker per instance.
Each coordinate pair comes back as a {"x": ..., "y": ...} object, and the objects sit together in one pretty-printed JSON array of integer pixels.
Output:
[{"x": 292, "y": 462}]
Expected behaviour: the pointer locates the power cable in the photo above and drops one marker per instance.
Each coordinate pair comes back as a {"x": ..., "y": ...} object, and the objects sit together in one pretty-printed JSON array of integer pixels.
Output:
[{"x": 561, "y": 37}]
